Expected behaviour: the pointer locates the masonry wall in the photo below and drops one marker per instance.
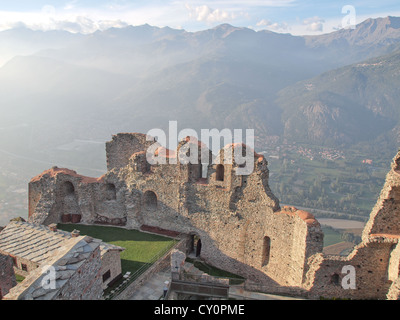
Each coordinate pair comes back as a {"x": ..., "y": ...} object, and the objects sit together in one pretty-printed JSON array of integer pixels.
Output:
[
  {"x": 61, "y": 195},
  {"x": 375, "y": 261},
  {"x": 7, "y": 276},
  {"x": 19, "y": 269},
  {"x": 385, "y": 216},
  {"x": 233, "y": 215},
  {"x": 370, "y": 262},
  {"x": 122, "y": 147},
  {"x": 110, "y": 262},
  {"x": 19, "y": 264},
  {"x": 86, "y": 283}
]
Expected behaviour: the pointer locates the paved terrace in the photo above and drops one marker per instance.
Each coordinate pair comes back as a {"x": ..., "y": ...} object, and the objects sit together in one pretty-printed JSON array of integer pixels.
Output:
[{"x": 153, "y": 288}]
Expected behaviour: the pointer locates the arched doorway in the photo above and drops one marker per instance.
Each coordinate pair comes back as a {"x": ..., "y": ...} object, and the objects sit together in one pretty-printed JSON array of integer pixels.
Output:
[
  {"x": 198, "y": 248},
  {"x": 195, "y": 245}
]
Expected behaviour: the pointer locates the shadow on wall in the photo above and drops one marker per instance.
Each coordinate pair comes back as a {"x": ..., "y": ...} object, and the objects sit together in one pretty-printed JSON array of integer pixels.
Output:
[{"x": 203, "y": 246}]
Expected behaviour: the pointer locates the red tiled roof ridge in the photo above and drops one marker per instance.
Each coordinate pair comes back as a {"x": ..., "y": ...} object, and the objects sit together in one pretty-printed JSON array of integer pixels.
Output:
[
  {"x": 53, "y": 172},
  {"x": 164, "y": 152},
  {"x": 196, "y": 140},
  {"x": 242, "y": 144},
  {"x": 302, "y": 214}
]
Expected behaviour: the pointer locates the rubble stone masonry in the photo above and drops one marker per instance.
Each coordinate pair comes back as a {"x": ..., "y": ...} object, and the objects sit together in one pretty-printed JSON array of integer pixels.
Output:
[{"x": 7, "y": 276}]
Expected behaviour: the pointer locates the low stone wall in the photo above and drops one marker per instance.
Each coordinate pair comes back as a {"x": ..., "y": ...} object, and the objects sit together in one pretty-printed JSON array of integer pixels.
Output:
[
  {"x": 159, "y": 231},
  {"x": 276, "y": 290},
  {"x": 158, "y": 266}
]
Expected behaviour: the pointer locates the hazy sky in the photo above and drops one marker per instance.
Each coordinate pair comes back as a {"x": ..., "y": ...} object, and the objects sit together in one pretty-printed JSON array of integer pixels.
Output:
[{"x": 291, "y": 16}]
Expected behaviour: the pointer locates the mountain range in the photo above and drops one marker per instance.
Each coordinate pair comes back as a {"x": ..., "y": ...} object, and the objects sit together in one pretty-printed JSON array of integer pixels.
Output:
[{"x": 57, "y": 88}]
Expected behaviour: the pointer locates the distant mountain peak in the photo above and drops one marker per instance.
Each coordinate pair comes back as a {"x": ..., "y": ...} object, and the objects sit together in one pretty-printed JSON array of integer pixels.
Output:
[
  {"x": 376, "y": 32},
  {"x": 224, "y": 30},
  {"x": 386, "y": 22},
  {"x": 394, "y": 22}
]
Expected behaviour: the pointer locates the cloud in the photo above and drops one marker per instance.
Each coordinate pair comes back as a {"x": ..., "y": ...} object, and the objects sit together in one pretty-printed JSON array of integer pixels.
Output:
[
  {"x": 206, "y": 14},
  {"x": 314, "y": 24},
  {"x": 85, "y": 25},
  {"x": 241, "y": 3},
  {"x": 70, "y": 5},
  {"x": 74, "y": 24},
  {"x": 272, "y": 25}
]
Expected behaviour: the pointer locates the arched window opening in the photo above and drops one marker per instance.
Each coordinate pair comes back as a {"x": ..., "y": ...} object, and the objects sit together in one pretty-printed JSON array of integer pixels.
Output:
[
  {"x": 150, "y": 200},
  {"x": 266, "y": 251},
  {"x": 68, "y": 188},
  {"x": 220, "y": 172},
  {"x": 111, "y": 192},
  {"x": 69, "y": 206}
]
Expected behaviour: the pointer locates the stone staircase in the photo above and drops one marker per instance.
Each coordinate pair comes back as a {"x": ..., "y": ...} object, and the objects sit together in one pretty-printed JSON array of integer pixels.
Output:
[{"x": 191, "y": 269}]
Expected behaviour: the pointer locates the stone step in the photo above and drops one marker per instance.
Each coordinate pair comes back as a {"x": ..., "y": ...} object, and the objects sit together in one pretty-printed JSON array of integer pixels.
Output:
[{"x": 191, "y": 269}]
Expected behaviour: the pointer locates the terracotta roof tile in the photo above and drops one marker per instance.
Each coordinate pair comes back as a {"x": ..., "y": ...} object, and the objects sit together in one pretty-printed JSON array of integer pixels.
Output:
[
  {"x": 53, "y": 172},
  {"x": 304, "y": 215}
]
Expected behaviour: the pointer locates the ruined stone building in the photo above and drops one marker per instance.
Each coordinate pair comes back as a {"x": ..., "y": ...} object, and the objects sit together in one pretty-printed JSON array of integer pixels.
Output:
[
  {"x": 82, "y": 266},
  {"x": 238, "y": 219}
]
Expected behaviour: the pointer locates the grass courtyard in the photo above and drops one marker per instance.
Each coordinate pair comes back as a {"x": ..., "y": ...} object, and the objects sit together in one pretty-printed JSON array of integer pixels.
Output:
[{"x": 140, "y": 247}]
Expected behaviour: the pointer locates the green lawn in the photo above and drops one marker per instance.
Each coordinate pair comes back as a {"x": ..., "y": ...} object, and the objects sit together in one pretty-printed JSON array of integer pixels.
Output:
[
  {"x": 215, "y": 272},
  {"x": 140, "y": 247}
]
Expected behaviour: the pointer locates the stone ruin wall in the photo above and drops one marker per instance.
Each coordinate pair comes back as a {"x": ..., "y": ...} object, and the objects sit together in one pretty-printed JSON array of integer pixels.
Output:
[
  {"x": 376, "y": 259},
  {"x": 7, "y": 275},
  {"x": 122, "y": 146},
  {"x": 61, "y": 195},
  {"x": 385, "y": 216},
  {"x": 238, "y": 219},
  {"x": 370, "y": 262}
]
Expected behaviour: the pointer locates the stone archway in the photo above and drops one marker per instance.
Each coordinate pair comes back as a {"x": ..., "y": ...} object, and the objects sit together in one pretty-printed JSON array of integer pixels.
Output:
[
  {"x": 110, "y": 192},
  {"x": 67, "y": 189},
  {"x": 69, "y": 203},
  {"x": 150, "y": 200},
  {"x": 198, "y": 248}
]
